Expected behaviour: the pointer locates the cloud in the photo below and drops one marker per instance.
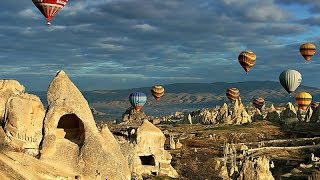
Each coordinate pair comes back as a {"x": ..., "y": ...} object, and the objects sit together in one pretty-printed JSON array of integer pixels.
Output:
[
  {"x": 144, "y": 27},
  {"x": 154, "y": 41},
  {"x": 29, "y": 13}
]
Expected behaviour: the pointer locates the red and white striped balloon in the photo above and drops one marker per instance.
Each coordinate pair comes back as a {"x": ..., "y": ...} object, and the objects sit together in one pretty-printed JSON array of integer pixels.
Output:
[{"x": 49, "y": 8}]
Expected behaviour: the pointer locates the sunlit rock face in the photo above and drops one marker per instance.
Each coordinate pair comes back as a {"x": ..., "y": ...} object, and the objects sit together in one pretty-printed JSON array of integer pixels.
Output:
[
  {"x": 24, "y": 122},
  {"x": 7, "y": 89},
  {"x": 71, "y": 139},
  {"x": 289, "y": 114}
]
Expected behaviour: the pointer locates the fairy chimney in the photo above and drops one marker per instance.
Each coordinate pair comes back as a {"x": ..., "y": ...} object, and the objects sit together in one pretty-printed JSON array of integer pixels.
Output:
[
  {"x": 24, "y": 121},
  {"x": 148, "y": 155},
  {"x": 71, "y": 139},
  {"x": 239, "y": 113},
  {"x": 308, "y": 115},
  {"x": 133, "y": 117},
  {"x": 272, "y": 114},
  {"x": 289, "y": 114},
  {"x": 7, "y": 89},
  {"x": 315, "y": 115},
  {"x": 178, "y": 144},
  {"x": 257, "y": 116},
  {"x": 223, "y": 114},
  {"x": 258, "y": 169}
]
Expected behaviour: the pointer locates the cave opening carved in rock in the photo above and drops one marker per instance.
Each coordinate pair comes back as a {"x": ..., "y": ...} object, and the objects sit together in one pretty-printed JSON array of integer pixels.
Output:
[
  {"x": 147, "y": 160},
  {"x": 73, "y": 128}
]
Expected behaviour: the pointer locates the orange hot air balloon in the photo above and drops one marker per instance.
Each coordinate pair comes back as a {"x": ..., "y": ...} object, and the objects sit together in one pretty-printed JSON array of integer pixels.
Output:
[
  {"x": 303, "y": 99},
  {"x": 307, "y": 50},
  {"x": 49, "y": 8},
  {"x": 233, "y": 94},
  {"x": 157, "y": 92},
  {"x": 247, "y": 59}
]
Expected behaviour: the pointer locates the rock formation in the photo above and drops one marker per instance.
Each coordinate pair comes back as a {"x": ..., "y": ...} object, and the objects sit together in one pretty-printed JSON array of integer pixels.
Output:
[
  {"x": 148, "y": 156},
  {"x": 239, "y": 113},
  {"x": 7, "y": 89},
  {"x": 305, "y": 116},
  {"x": 71, "y": 139},
  {"x": 189, "y": 119},
  {"x": 178, "y": 144},
  {"x": 256, "y": 170},
  {"x": 172, "y": 143},
  {"x": 315, "y": 115},
  {"x": 133, "y": 117},
  {"x": 24, "y": 121},
  {"x": 273, "y": 114},
  {"x": 223, "y": 114},
  {"x": 289, "y": 114},
  {"x": 301, "y": 115},
  {"x": 208, "y": 116},
  {"x": 257, "y": 116}
]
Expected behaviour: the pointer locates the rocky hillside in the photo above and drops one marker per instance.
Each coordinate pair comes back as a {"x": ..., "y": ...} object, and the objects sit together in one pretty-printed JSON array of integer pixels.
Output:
[{"x": 110, "y": 104}]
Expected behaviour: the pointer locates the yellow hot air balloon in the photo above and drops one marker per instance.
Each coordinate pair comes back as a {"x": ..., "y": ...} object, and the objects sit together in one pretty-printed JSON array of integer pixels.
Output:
[
  {"x": 247, "y": 59},
  {"x": 307, "y": 50},
  {"x": 157, "y": 92},
  {"x": 303, "y": 99}
]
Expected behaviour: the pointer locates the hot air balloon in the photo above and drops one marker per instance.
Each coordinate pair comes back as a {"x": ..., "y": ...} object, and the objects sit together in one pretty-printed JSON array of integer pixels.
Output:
[
  {"x": 247, "y": 59},
  {"x": 137, "y": 100},
  {"x": 314, "y": 105},
  {"x": 233, "y": 94},
  {"x": 303, "y": 99},
  {"x": 307, "y": 50},
  {"x": 290, "y": 80},
  {"x": 258, "y": 103},
  {"x": 49, "y": 8},
  {"x": 157, "y": 92}
]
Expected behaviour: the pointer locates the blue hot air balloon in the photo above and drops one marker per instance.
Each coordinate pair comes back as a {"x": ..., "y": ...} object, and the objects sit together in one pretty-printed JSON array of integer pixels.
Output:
[{"x": 137, "y": 100}]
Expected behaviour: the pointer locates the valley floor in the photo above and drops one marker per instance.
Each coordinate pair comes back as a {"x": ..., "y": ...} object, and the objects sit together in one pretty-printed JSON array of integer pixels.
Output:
[{"x": 288, "y": 146}]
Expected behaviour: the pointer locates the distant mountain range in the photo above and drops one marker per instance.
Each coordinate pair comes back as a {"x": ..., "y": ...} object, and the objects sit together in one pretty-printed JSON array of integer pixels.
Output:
[{"x": 110, "y": 104}]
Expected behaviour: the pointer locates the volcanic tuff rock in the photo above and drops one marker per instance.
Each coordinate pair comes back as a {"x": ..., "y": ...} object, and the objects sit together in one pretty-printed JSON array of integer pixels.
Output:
[
  {"x": 24, "y": 122},
  {"x": 189, "y": 119},
  {"x": 133, "y": 117},
  {"x": 171, "y": 142},
  {"x": 223, "y": 114},
  {"x": 315, "y": 115},
  {"x": 239, "y": 113},
  {"x": 7, "y": 89},
  {"x": 289, "y": 114},
  {"x": 273, "y": 114},
  {"x": 205, "y": 116},
  {"x": 209, "y": 117},
  {"x": 178, "y": 144},
  {"x": 146, "y": 154},
  {"x": 71, "y": 139},
  {"x": 257, "y": 115},
  {"x": 256, "y": 170}
]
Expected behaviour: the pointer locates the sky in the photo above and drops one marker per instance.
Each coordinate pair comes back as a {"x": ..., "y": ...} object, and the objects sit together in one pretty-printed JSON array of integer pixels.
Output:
[{"x": 119, "y": 44}]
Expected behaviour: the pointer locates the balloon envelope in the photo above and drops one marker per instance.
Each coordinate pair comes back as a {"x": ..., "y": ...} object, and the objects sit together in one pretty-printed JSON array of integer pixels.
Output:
[
  {"x": 49, "y": 8},
  {"x": 290, "y": 80},
  {"x": 307, "y": 50},
  {"x": 233, "y": 94},
  {"x": 303, "y": 99},
  {"x": 157, "y": 92},
  {"x": 247, "y": 59},
  {"x": 137, "y": 100},
  {"x": 258, "y": 103}
]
